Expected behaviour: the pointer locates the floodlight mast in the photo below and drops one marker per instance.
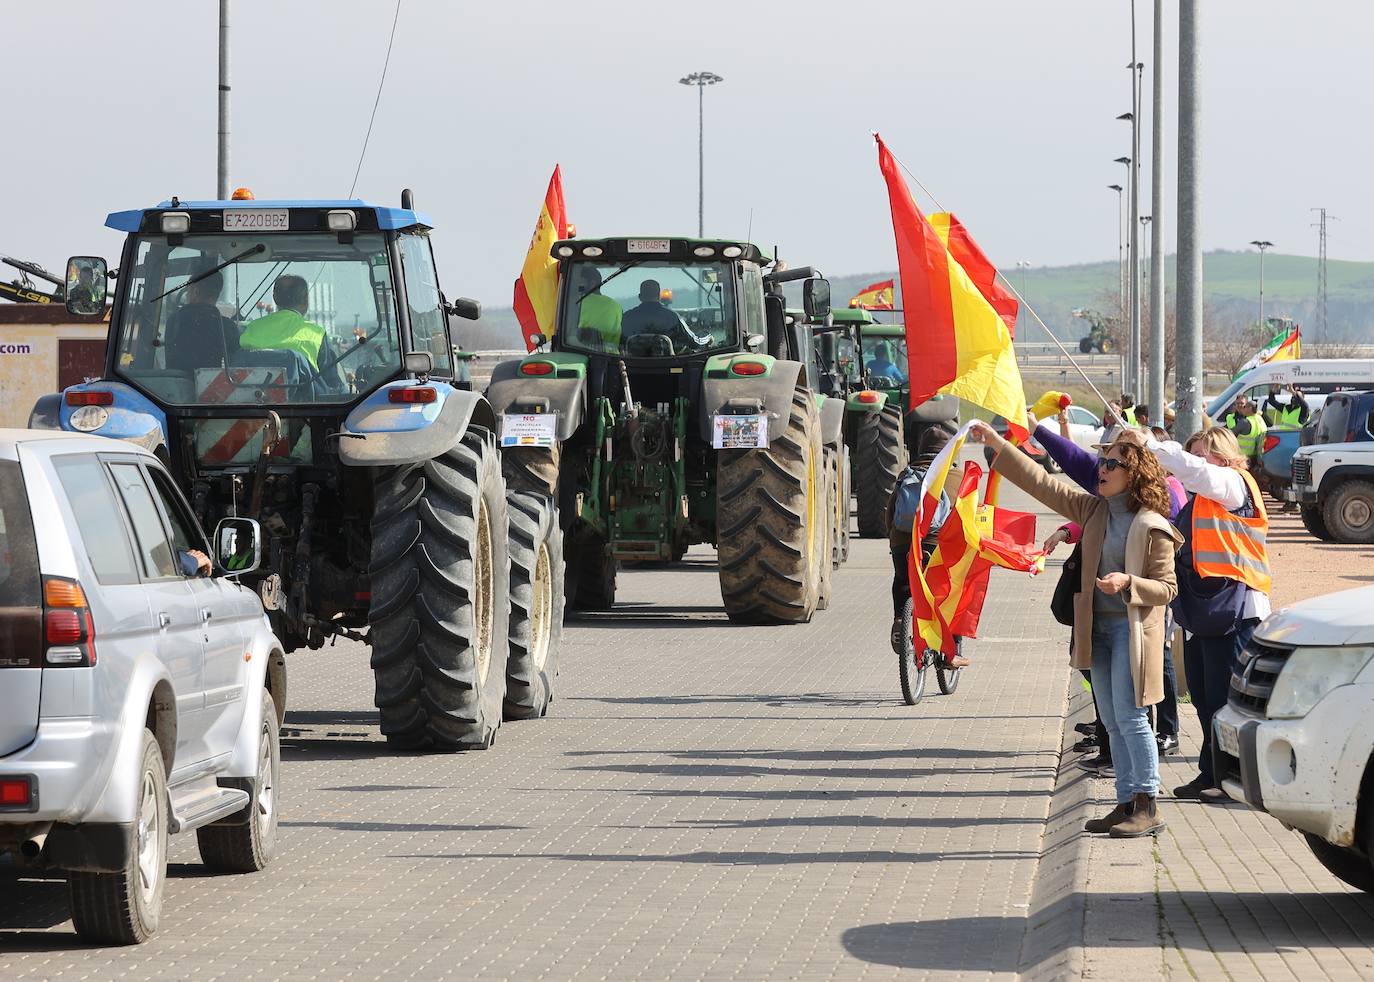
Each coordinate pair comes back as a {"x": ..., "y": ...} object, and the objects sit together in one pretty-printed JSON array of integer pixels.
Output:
[{"x": 701, "y": 80}]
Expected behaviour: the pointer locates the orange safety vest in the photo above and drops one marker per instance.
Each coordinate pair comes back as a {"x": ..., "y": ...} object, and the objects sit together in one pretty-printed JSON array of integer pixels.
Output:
[{"x": 1225, "y": 544}]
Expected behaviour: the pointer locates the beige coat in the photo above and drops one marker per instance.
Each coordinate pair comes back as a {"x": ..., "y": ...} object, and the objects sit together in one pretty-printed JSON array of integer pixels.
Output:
[{"x": 1150, "y": 547}]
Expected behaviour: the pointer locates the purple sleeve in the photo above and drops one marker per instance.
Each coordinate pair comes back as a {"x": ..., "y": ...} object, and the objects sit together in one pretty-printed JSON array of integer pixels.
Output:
[
  {"x": 1079, "y": 465},
  {"x": 1177, "y": 497}
]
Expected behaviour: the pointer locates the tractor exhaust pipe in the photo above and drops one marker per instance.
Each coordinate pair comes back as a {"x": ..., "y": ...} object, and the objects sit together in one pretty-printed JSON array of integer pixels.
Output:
[{"x": 32, "y": 847}]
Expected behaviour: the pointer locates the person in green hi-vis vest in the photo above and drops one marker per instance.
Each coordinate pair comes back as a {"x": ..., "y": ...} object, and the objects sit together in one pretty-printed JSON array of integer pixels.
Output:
[
  {"x": 286, "y": 328},
  {"x": 597, "y": 312}
]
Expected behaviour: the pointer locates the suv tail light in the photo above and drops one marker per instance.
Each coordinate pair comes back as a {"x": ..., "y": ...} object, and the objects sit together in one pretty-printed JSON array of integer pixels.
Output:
[
  {"x": 16, "y": 794},
  {"x": 1270, "y": 442},
  {"x": 68, "y": 631}
]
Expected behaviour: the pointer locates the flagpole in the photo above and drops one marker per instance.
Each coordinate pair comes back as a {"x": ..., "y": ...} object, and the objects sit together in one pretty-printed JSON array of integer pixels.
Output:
[{"x": 1106, "y": 404}]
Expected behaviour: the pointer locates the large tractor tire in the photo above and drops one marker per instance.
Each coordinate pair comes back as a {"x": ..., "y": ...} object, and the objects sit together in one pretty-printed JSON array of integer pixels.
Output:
[
  {"x": 440, "y": 597},
  {"x": 532, "y": 469},
  {"x": 879, "y": 456},
  {"x": 591, "y": 574},
  {"x": 536, "y": 604},
  {"x": 771, "y": 521}
]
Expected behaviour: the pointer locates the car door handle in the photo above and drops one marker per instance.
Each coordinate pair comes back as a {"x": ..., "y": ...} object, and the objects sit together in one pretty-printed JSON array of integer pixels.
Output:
[
  {"x": 163, "y": 619},
  {"x": 204, "y": 614}
]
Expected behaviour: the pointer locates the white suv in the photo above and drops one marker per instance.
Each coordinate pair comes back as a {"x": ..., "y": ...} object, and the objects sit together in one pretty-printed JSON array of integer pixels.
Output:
[
  {"x": 1297, "y": 737},
  {"x": 141, "y": 689}
]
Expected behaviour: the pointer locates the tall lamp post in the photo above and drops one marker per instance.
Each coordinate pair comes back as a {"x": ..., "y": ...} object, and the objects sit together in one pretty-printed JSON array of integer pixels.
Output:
[
  {"x": 222, "y": 154},
  {"x": 1128, "y": 356},
  {"x": 701, "y": 80},
  {"x": 1261, "y": 245},
  {"x": 1120, "y": 248}
]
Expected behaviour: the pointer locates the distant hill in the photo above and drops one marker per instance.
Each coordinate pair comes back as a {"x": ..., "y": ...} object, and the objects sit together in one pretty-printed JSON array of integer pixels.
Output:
[{"x": 1230, "y": 282}]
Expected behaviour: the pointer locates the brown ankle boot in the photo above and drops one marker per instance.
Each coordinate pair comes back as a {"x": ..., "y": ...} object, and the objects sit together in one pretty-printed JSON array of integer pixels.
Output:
[
  {"x": 1144, "y": 819},
  {"x": 1100, "y": 825}
]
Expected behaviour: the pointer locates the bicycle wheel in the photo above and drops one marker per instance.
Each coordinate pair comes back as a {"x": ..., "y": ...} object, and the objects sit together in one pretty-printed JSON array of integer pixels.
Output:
[
  {"x": 911, "y": 667},
  {"x": 948, "y": 678}
]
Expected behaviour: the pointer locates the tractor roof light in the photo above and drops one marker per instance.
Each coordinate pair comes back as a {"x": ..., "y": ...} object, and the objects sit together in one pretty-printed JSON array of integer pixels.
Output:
[
  {"x": 591, "y": 252},
  {"x": 242, "y": 194},
  {"x": 341, "y": 220},
  {"x": 704, "y": 252},
  {"x": 566, "y": 252},
  {"x": 748, "y": 368},
  {"x": 537, "y": 368},
  {"x": 732, "y": 252},
  {"x": 868, "y": 396},
  {"x": 176, "y": 222}
]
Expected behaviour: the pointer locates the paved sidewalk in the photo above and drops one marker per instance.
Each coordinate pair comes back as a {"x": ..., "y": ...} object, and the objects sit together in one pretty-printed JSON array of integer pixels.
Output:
[{"x": 1224, "y": 893}]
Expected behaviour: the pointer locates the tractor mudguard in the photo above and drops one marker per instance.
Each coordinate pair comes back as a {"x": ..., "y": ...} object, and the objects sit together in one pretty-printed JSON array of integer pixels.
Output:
[
  {"x": 46, "y": 413},
  {"x": 832, "y": 422},
  {"x": 380, "y": 432},
  {"x": 132, "y": 416},
  {"x": 563, "y": 390},
  {"x": 937, "y": 409},
  {"x": 771, "y": 391},
  {"x": 866, "y": 401}
]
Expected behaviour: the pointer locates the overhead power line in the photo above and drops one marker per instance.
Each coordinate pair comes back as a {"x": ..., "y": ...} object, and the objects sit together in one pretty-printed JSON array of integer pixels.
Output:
[{"x": 377, "y": 101}]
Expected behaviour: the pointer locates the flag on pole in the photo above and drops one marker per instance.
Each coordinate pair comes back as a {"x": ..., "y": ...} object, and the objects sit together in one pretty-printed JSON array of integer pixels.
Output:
[
  {"x": 948, "y": 591},
  {"x": 957, "y": 342},
  {"x": 536, "y": 291},
  {"x": 978, "y": 266},
  {"x": 876, "y": 296},
  {"x": 1283, "y": 346}
]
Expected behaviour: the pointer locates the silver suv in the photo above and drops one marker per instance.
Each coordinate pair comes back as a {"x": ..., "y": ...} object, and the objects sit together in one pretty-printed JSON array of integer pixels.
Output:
[{"x": 141, "y": 687}]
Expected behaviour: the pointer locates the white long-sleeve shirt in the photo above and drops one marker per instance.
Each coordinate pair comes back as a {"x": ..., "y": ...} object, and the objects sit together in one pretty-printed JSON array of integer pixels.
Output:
[{"x": 1223, "y": 485}]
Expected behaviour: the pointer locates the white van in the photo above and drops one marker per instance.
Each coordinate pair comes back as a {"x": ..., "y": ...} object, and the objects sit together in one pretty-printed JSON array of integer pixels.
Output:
[{"x": 1312, "y": 376}]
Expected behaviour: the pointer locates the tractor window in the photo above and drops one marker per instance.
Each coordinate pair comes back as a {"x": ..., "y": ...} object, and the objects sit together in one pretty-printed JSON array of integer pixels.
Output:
[
  {"x": 291, "y": 318},
  {"x": 427, "y": 320},
  {"x": 885, "y": 361},
  {"x": 648, "y": 309}
]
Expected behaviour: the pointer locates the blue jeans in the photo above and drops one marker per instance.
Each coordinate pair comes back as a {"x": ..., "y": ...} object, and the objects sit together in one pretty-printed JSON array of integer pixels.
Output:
[
  {"x": 1134, "y": 753},
  {"x": 1208, "y": 664}
]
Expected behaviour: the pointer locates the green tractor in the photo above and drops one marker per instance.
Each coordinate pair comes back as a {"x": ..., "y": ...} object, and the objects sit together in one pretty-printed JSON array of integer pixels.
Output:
[
  {"x": 1101, "y": 332},
  {"x": 881, "y": 433},
  {"x": 675, "y": 405}
]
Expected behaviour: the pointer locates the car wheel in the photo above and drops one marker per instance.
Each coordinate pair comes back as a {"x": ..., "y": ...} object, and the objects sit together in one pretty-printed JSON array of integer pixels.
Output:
[
  {"x": 246, "y": 841},
  {"x": 1347, "y": 865},
  {"x": 1349, "y": 512},
  {"x": 123, "y": 907}
]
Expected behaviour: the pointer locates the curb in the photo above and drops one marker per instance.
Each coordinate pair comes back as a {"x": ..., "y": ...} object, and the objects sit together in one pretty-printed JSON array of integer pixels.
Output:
[{"x": 1054, "y": 941}]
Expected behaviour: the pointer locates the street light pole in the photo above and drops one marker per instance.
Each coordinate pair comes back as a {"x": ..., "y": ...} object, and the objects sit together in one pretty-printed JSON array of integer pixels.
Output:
[
  {"x": 1261, "y": 245},
  {"x": 701, "y": 80},
  {"x": 1023, "y": 265},
  {"x": 1188, "y": 377},
  {"x": 1129, "y": 271},
  {"x": 222, "y": 162},
  {"x": 1157, "y": 340},
  {"x": 1120, "y": 247}
]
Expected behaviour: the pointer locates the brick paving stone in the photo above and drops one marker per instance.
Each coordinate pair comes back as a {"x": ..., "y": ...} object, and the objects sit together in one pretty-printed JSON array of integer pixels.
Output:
[{"x": 705, "y": 801}]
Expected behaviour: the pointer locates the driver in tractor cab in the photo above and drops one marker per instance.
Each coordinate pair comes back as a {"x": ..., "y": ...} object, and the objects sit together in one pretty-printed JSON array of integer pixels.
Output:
[
  {"x": 882, "y": 365},
  {"x": 198, "y": 335},
  {"x": 286, "y": 329},
  {"x": 596, "y": 312},
  {"x": 653, "y": 316}
]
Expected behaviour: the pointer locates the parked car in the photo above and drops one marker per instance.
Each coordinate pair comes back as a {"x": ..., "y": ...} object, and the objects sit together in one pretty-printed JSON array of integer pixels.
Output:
[
  {"x": 1296, "y": 738},
  {"x": 141, "y": 688},
  {"x": 1332, "y": 478}
]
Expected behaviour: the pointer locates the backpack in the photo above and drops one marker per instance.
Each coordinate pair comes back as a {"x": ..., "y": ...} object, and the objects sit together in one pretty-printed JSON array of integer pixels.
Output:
[{"x": 907, "y": 504}]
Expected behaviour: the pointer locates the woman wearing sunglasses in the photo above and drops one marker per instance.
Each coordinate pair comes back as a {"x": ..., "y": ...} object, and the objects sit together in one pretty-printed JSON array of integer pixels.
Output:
[{"x": 1127, "y": 581}]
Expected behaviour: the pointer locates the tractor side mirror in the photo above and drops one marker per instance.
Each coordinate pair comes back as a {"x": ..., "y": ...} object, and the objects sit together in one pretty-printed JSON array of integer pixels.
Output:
[
  {"x": 86, "y": 285},
  {"x": 466, "y": 308},
  {"x": 238, "y": 545},
  {"x": 816, "y": 298}
]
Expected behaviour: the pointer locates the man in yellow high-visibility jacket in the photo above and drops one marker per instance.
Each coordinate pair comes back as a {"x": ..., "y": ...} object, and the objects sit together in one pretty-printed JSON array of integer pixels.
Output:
[
  {"x": 1248, "y": 426},
  {"x": 286, "y": 329}
]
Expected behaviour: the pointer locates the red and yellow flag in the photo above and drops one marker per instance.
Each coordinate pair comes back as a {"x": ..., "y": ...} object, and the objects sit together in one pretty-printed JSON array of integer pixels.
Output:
[
  {"x": 957, "y": 342},
  {"x": 978, "y": 266},
  {"x": 876, "y": 296},
  {"x": 536, "y": 291}
]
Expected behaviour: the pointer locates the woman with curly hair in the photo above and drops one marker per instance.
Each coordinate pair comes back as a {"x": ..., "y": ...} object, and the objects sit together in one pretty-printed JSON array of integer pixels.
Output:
[{"x": 1128, "y": 580}]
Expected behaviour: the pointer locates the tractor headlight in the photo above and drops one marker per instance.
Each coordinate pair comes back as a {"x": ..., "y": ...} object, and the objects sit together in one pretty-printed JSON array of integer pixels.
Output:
[
  {"x": 565, "y": 252},
  {"x": 89, "y": 418},
  {"x": 705, "y": 252},
  {"x": 342, "y": 220},
  {"x": 732, "y": 252},
  {"x": 1310, "y": 673},
  {"x": 591, "y": 252},
  {"x": 176, "y": 223}
]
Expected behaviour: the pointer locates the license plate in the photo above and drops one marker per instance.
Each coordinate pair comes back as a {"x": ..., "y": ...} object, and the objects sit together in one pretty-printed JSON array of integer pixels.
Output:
[
  {"x": 646, "y": 245},
  {"x": 1228, "y": 737},
  {"x": 528, "y": 429},
  {"x": 258, "y": 220},
  {"x": 740, "y": 432}
]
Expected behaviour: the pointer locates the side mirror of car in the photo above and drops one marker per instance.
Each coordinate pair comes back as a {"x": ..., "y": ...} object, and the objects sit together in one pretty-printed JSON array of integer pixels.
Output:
[
  {"x": 87, "y": 283},
  {"x": 816, "y": 298},
  {"x": 238, "y": 545}
]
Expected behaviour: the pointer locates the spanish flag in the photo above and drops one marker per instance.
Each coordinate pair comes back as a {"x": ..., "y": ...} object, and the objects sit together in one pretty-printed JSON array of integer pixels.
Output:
[
  {"x": 876, "y": 296},
  {"x": 957, "y": 342},
  {"x": 536, "y": 291},
  {"x": 978, "y": 266}
]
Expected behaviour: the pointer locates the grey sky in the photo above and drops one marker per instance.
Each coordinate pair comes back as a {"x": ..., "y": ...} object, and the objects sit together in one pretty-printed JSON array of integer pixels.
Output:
[{"x": 1004, "y": 109}]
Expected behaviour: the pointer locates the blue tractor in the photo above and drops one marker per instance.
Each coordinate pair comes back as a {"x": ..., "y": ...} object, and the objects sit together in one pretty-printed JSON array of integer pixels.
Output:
[{"x": 293, "y": 364}]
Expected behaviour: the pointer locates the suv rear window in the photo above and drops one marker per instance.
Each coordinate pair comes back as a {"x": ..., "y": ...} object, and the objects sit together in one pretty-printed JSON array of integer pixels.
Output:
[
  {"x": 99, "y": 518},
  {"x": 19, "y": 586}
]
